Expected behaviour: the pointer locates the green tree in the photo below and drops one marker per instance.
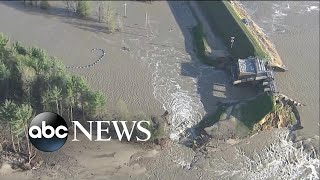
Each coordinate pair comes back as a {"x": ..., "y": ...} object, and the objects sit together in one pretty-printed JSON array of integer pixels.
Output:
[
  {"x": 23, "y": 115},
  {"x": 80, "y": 87},
  {"x": 7, "y": 114},
  {"x": 52, "y": 95},
  {"x": 71, "y": 6},
  {"x": 57, "y": 67},
  {"x": 122, "y": 111},
  {"x": 100, "y": 100},
  {"x": 83, "y": 8},
  {"x": 44, "y": 4},
  {"x": 3, "y": 41},
  {"x": 28, "y": 76},
  {"x": 39, "y": 60},
  {"x": 109, "y": 15},
  {"x": 4, "y": 71},
  {"x": 18, "y": 48},
  {"x": 4, "y": 79},
  {"x": 94, "y": 103},
  {"x": 57, "y": 97},
  {"x": 71, "y": 96}
]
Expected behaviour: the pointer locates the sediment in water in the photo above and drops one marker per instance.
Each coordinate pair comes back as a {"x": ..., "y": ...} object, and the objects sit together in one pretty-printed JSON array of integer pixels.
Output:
[{"x": 275, "y": 59}]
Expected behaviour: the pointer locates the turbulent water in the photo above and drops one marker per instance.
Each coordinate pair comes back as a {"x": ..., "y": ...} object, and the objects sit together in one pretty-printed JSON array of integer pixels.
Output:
[
  {"x": 294, "y": 28},
  {"x": 177, "y": 93},
  {"x": 282, "y": 159}
]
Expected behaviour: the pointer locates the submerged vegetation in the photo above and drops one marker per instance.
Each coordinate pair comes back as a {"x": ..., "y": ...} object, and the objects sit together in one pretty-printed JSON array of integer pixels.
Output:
[
  {"x": 83, "y": 8},
  {"x": 199, "y": 44},
  {"x": 108, "y": 15},
  {"x": 44, "y": 4}
]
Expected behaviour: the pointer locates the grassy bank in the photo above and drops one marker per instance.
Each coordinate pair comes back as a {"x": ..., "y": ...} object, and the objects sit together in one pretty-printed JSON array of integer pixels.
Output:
[
  {"x": 253, "y": 111},
  {"x": 248, "y": 113},
  {"x": 225, "y": 22},
  {"x": 199, "y": 43}
]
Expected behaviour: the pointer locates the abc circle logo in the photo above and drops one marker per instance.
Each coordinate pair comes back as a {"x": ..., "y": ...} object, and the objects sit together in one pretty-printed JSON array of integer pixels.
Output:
[{"x": 48, "y": 132}]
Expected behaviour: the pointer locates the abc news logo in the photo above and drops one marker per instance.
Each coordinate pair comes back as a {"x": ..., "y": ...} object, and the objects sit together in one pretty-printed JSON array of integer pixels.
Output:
[{"x": 48, "y": 131}]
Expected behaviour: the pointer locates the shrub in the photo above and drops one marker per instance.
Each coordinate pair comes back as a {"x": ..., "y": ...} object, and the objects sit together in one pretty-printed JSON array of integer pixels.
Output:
[
  {"x": 199, "y": 43},
  {"x": 44, "y": 4},
  {"x": 3, "y": 40},
  {"x": 83, "y": 8}
]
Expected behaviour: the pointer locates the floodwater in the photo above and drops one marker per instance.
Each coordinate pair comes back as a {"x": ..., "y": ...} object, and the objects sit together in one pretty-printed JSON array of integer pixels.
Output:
[
  {"x": 161, "y": 72},
  {"x": 293, "y": 27}
]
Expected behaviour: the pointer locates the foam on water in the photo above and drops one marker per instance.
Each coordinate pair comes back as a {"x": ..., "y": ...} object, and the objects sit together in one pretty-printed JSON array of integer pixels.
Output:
[
  {"x": 278, "y": 17},
  {"x": 176, "y": 93},
  {"x": 273, "y": 14},
  {"x": 283, "y": 159},
  {"x": 313, "y": 8}
]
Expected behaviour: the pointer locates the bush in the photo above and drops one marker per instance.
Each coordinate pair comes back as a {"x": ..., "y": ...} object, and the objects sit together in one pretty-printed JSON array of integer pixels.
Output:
[
  {"x": 199, "y": 43},
  {"x": 156, "y": 126},
  {"x": 3, "y": 40},
  {"x": 44, "y": 5},
  {"x": 253, "y": 111},
  {"x": 83, "y": 8}
]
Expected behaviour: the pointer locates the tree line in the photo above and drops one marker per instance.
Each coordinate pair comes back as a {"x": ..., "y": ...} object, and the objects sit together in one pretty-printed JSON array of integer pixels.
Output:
[
  {"x": 106, "y": 11},
  {"x": 32, "y": 82}
]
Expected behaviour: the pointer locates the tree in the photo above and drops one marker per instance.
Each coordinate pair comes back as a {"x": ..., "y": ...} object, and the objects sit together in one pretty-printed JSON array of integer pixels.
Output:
[
  {"x": 122, "y": 111},
  {"x": 39, "y": 60},
  {"x": 57, "y": 67},
  {"x": 110, "y": 16},
  {"x": 100, "y": 10},
  {"x": 80, "y": 87},
  {"x": 46, "y": 100},
  {"x": 83, "y": 8},
  {"x": 32, "y": 2},
  {"x": 94, "y": 103},
  {"x": 44, "y": 4},
  {"x": 56, "y": 96},
  {"x": 52, "y": 95},
  {"x": 70, "y": 5},
  {"x": 100, "y": 100},
  {"x": 18, "y": 119},
  {"x": 7, "y": 114},
  {"x": 28, "y": 76},
  {"x": 3, "y": 41},
  {"x": 71, "y": 96},
  {"x": 4, "y": 71},
  {"x": 106, "y": 13},
  {"x": 18, "y": 48},
  {"x": 23, "y": 115},
  {"x": 4, "y": 78}
]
